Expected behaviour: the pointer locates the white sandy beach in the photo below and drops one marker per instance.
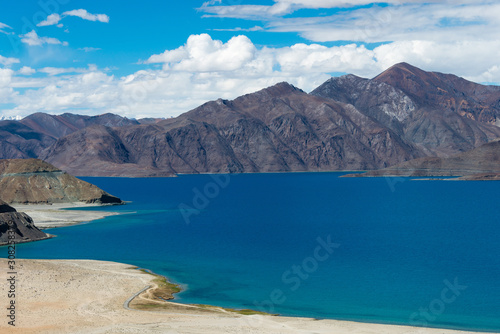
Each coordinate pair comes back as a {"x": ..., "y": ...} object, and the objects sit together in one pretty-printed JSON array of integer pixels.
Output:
[
  {"x": 49, "y": 216},
  {"x": 61, "y": 296}
]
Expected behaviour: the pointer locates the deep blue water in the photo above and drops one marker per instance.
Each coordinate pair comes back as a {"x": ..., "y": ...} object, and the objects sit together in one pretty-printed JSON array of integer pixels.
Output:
[{"x": 255, "y": 243}]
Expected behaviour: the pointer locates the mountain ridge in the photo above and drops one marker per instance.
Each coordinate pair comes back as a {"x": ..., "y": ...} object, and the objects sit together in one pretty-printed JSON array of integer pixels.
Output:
[{"x": 347, "y": 123}]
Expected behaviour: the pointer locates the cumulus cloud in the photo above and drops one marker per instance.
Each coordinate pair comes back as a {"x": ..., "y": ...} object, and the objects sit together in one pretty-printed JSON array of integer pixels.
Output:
[
  {"x": 83, "y": 14},
  {"x": 6, "y": 61},
  {"x": 202, "y": 54},
  {"x": 205, "y": 69},
  {"x": 6, "y": 90},
  {"x": 32, "y": 39},
  {"x": 51, "y": 20},
  {"x": 26, "y": 70}
]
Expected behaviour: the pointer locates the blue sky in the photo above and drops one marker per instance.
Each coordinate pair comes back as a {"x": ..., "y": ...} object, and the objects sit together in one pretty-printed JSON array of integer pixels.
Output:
[{"x": 161, "y": 58}]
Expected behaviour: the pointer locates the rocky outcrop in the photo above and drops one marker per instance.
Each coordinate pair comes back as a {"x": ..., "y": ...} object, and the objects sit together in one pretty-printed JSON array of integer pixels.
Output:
[
  {"x": 6, "y": 208},
  {"x": 17, "y": 226},
  {"x": 32, "y": 181}
]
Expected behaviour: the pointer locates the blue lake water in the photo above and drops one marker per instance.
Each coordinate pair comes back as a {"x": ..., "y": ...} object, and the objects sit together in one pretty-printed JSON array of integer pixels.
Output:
[{"x": 405, "y": 251}]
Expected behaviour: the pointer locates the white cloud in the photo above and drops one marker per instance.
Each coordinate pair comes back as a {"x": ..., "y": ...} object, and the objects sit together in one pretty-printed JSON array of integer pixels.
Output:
[
  {"x": 6, "y": 91},
  {"x": 51, "y": 20},
  {"x": 205, "y": 69},
  {"x": 3, "y": 26},
  {"x": 282, "y": 7},
  {"x": 436, "y": 22},
  {"x": 32, "y": 39},
  {"x": 89, "y": 49},
  {"x": 52, "y": 71},
  {"x": 255, "y": 28},
  {"x": 400, "y": 21},
  {"x": 6, "y": 61},
  {"x": 202, "y": 54},
  {"x": 83, "y": 14},
  {"x": 26, "y": 70},
  {"x": 54, "y": 19}
]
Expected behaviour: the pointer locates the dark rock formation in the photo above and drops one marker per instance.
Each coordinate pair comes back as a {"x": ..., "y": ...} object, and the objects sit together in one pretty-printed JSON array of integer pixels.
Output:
[
  {"x": 4, "y": 207},
  {"x": 32, "y": 181},
  {"x": 21, "y": 225}
]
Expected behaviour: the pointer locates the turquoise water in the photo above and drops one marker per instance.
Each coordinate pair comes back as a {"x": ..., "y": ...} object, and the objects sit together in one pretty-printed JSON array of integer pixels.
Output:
[{"x": 404, "y": 251}]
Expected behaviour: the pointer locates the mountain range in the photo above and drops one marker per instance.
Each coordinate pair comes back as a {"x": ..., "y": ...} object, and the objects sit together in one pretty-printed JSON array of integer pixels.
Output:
[{"x": 347, "y": 123}]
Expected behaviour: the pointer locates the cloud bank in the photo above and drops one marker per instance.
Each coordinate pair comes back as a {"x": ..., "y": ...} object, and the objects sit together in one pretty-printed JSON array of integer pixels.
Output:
[{"x": 204, "y": 69}]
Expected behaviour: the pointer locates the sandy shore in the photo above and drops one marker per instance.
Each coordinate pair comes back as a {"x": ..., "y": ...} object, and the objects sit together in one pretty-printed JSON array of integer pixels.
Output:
[
  {"x": 59, "y": 296},
  {"x": 50, "y": 216}
]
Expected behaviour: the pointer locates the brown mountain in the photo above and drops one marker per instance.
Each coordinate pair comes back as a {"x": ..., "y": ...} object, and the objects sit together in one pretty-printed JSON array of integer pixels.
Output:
[
  {"x": 18, "y": 141},
  {"x": 422, "y": 108},
  {"x": 32, "y": 181},
  {"x": 99, "y": 151},
  {"x": 278, "y": 129},
  {"x": 30, "y": 136},
  {"x": 58, "y": 126},
  {"x": 21, "y": 225},
  {"x": 348, "y": 123},
  {"x": 451, "y": 93}
]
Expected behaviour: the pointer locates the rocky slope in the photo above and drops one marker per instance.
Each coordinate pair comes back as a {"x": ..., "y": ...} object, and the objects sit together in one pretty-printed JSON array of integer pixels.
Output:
[
  {"x": 421, "y": 107},
  {"x": 451, "y": 93},
  {"x": 21, "y": 225},
  {"x": 32, "y": 181}
]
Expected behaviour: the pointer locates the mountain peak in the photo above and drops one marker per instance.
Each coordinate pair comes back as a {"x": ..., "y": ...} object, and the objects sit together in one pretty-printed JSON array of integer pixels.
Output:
[
  {"x": 404, "y": 65},
  {"x": 282, "y": 88},
  {"x": 399, "y": 70}
]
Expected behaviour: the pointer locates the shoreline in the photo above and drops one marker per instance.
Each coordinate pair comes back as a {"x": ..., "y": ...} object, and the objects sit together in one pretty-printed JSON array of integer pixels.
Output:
[
  {"x": 47, "y": 216},
  {"x": 89, "y": 296}
]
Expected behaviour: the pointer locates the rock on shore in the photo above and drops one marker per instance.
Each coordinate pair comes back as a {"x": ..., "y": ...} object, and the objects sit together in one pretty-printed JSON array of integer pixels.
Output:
[{"x": 20, "y": 223}]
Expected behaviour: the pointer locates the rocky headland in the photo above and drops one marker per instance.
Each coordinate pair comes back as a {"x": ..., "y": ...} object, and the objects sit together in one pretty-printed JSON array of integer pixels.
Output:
[{"x": 33, "y": 181}]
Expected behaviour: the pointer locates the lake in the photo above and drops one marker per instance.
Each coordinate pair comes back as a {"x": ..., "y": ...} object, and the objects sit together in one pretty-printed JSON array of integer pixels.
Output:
[{"x": 397, "y": 251}]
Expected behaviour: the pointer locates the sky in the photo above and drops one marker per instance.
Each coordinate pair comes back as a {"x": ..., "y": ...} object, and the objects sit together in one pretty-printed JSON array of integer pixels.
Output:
[{"x": 160, "y": 58}]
